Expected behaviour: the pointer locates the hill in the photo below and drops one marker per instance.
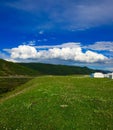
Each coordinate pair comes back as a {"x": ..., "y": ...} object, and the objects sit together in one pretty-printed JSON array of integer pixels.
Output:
[
  {"x": 59, "y": 103},
  {"x": 10, "y": 68},
  {"x": 49, "y": 69},
  {"x": 35, "y": 69},
  {"x": 19, "y": 73}
]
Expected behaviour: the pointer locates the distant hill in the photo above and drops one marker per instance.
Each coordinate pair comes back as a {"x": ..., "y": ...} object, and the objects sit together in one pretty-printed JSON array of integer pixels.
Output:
[
  {"x": 49, "y": 69},
  {"x": 35, "y": 69},
  {"x": 10, "y": 68}
]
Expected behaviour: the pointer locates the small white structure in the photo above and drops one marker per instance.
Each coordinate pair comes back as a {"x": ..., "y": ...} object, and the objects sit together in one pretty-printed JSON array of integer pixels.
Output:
[
  {"x": 101, "y": 75},
  {"x": 109, "y": 75},
  {"x": 106, "y": 75},
  {"x": 97, "y": 75}
]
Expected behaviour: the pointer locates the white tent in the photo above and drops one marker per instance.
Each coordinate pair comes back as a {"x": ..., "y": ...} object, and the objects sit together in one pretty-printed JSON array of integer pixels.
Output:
[
  {"x": 111, "y": 75},
  {"x": 97, "y": 75}
]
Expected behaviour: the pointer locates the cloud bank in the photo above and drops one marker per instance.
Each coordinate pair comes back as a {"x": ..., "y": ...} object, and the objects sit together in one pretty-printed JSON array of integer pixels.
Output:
[
  {"x": 68, "y": 52},
  {"x": 102, "y": 46}
]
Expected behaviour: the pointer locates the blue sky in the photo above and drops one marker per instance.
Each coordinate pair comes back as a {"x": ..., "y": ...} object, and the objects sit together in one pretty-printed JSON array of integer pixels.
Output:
[{"x": 72, "y": 32}]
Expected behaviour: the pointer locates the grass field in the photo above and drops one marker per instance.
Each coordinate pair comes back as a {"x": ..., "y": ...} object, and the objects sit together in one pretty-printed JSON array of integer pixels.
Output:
[{"x": 59, "y": 103}]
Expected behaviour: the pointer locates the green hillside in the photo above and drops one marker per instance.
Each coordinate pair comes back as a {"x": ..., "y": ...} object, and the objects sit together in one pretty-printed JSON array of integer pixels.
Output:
[
  {"x": 34, "y": 69},
  {"x": 19, "y": 73},
  {"x": 10, "y": 68},
  {"x": 49, "y": 69},
  {"x": 59, "y": 103}
]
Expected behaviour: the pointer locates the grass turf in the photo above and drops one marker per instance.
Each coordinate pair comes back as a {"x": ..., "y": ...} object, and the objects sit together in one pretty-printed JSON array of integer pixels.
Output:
[{"x": 59, "y": 103}]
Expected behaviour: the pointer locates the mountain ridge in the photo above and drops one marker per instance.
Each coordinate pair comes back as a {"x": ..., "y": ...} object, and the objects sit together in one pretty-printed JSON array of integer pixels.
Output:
[
  {"x": 52, "y": 69},
  {"x": 35, "y": 69}
]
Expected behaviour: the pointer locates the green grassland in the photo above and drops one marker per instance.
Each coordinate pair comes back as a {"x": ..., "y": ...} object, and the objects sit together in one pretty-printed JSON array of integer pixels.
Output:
[{"x": 59, "y": 103}]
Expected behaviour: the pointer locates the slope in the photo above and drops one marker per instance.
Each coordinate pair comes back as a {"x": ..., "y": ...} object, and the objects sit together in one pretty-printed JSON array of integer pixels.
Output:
[
  {"x": 58, "y": 103},
  {"x": 10, "y": 68},
  {"x": 49, "y": 69}
]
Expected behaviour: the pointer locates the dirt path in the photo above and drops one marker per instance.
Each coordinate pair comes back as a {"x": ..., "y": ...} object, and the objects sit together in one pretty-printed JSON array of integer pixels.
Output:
[{"x": 6, "y": 77}]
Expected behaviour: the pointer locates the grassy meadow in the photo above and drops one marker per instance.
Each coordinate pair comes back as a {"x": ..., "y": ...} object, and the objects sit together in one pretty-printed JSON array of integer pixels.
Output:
[{"x": 59, "y": 103}]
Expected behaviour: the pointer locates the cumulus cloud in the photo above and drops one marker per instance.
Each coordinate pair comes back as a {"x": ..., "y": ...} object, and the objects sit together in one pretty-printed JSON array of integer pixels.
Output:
[
  {"x": 62, "y": 52},
  {"x": 23, "y": 52},
  {"x": 74, "y": 54},
  {"x": 103, "y": 46}
]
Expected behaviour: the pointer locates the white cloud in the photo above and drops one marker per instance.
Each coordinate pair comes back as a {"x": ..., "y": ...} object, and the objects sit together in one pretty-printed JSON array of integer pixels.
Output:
[
  {"x": 23, "y": 52},
  {"x": 75, "y": 54},
  {"x": 67, "y": 51},
  {"x": 103, "y": 45},
  {"x": 64, "y": 45}
]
